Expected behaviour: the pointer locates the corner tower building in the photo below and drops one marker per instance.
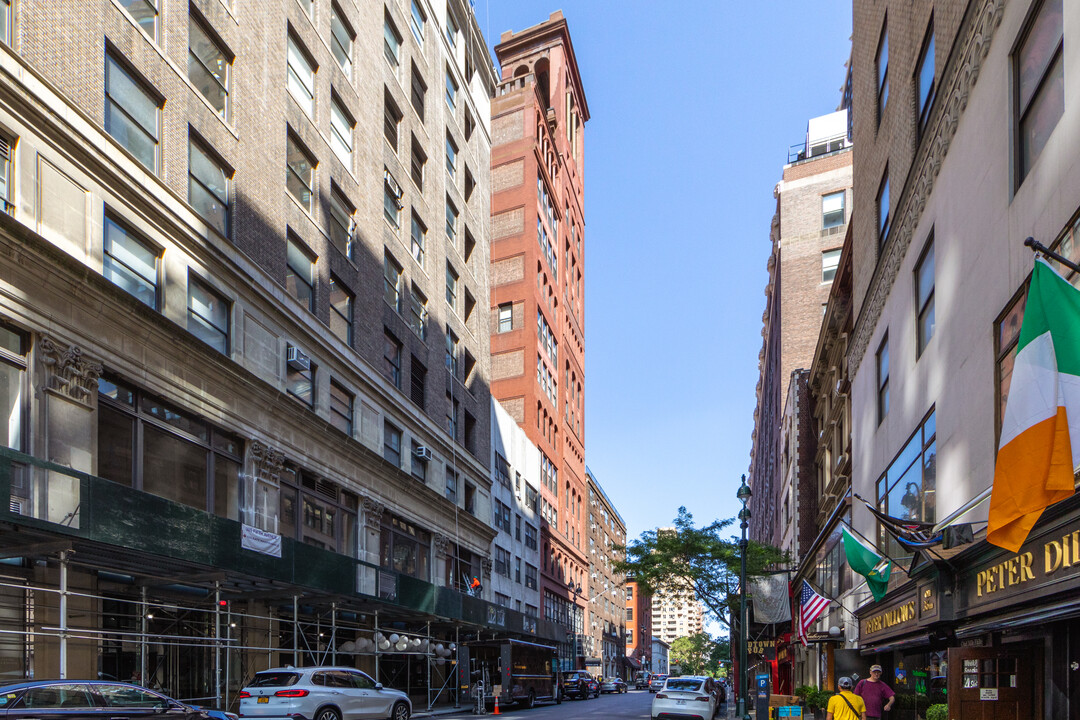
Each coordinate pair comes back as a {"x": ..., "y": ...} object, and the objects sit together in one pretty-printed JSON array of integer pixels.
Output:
[{"x": 537, "y": 303}]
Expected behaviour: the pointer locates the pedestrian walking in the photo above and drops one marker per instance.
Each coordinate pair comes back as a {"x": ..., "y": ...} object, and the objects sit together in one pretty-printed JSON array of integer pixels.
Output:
[
  {"x": 877, "y": 695},
  {"x": 845, "y": 705}
]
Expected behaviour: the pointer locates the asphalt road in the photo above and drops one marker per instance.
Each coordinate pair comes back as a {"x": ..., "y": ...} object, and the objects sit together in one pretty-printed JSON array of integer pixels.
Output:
[{"x": 633, "y": 705}]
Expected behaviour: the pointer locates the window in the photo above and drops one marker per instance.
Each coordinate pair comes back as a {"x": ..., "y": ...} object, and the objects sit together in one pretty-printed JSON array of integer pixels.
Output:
[
  {"x": 924, "y": 296},
  {"x": 451, "y": 222},
  {"x": 1006, "y": 337},
  {"x": 452, "y": 351},
  {"x": 500, "y": 516},
  {"x": 451, "y": 156},
  {"x": 208, "y": 315},
  {"x": 418, "y": 240},
  {"x": 907, "y": 488},
  {"x": 391, "y": 43},
  {"x": 143, "y": 12},
  {"x": 392, "y": 358},
  {"x": 470, "y": 184},
  {"x": 1040, "y": 83},
  {"x": 130, "y": 263},
  {"x": 416, "y": 164},
  {"x": 309, "y": 7},
  {"x": 924, "y": 77},
  {"x": 506, "y": 317},
  {"x": 451, "y": 485},
  {"x": 830, "y": 260},
  {"x": 341, "y": 40},
  {"x": 451, "y": 90},
  {"x": 881, "y": 62},
  {"x": 517, "y": 522},
  {"x": 300, "y": 274},
  {"x": 530, "y": 532},
  {"x": 451, "y": 287},
  {"x": 208, "y": 187},
  {"x": 317, "y": 512},
  {"x": 451, "y": 27},
  {"x": 14, "y": 352},
  {"x": 132, "y": 113},
  {"x": 341, "y": 223},
  {"x": 208, "y": 67},
  {"x": 341, "y": 311},
  {"x": 7, "y": 188},
  {"x": 392, "y": 283},
  {"x": 418, "y": 312},
  {"x": 300, "y": 172},
  {"x": 417, "y": 93},
  {"x": 517, "y": 570},
  {"x": 417, "y": 382},
  {"x": 530, "y": 576},
  {"x": 391, "y": 200},
  {"x": 452, "y": 411},
  {"x": 301, "y": 72},
  {"x": 341, "y": 132},
  {"x": 391, "y": 444},
  {"x": 883, "y": 209},
  {"x": 832, "y": 210},
  {"x": 405, "y": 548},
  {"x": 417, "y": 18},
  {"x": 391, "y": 120},
  {"x": 502, "y": 471},
  {"x": 300, "y": 376},
  {"x": 419, "y": 464},
  {"x": 883, "y": 379},
  {"x": 341, "y": 408},
  {"x": 501, "y": 564}
]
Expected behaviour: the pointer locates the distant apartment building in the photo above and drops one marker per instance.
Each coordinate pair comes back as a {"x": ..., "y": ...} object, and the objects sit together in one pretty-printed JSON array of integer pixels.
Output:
[
  {"x": 639, "y": 628},
  {"x": 676, "y": 614},
  {"x": 606, "y": 647},
  {"x": 537, "y": 295}
]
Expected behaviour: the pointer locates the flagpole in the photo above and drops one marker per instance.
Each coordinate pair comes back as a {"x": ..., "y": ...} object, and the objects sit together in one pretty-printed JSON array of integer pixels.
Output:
[
  {"x": 850, "y": 527},
  {"x": 1038, "y": 247},
  {"x": 916, "y": 552},
  {"x": 835, "y": 600}
]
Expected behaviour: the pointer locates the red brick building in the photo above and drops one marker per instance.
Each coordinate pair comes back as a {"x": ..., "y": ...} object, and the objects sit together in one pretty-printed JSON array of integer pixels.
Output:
[
  {"x": 639, "y": 628},
  {"x": 537, "y": 303}
]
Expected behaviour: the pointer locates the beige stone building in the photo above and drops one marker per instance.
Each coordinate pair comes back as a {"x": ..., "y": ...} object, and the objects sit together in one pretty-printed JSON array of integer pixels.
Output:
[
  {"x": 676, "y": 614},
  {"x": 607, "y": 621}
]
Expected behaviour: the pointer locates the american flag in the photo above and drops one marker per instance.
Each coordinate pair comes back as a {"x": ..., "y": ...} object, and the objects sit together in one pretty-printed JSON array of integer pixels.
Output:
[{"x": 811, "y": 605}]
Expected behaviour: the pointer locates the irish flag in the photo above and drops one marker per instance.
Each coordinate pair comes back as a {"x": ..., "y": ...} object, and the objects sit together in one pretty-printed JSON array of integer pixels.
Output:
[{"x": 1040, "y": 433}]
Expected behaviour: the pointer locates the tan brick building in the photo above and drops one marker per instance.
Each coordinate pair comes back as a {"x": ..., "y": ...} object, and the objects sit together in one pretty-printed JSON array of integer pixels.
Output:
[{"x": 607, "y": 621}]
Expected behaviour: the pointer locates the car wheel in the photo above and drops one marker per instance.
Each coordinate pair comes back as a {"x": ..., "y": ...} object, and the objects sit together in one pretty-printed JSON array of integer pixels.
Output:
[
  {"x": 400, "y": 712},
  {"x": 531, "y": 700},
  {"x": 328, "y": 713}
]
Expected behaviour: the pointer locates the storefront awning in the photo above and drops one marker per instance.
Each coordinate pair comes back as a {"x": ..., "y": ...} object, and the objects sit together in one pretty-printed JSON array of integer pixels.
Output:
[
  {"x": 633, "y": 662},
  {"x": 1058, "y": 611},
  {"x": 902, "y": 643}
]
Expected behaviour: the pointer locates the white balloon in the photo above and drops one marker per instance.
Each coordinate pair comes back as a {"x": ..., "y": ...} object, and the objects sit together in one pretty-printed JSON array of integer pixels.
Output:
[
  {"x": 415, "y": 642},
  {"x": 440, "y": 661},
  {"x": 379, "y": 636},
  {"x": 362, "y": 644},
  {"x": 453, "y": 646},
  {"x": 394, "y": 637},
  {"x": 384, "y": 644},
  {"x": 402, "y": 646},
  {"x": 439, "y": 648},
  {"x": 348, "y": 646}
]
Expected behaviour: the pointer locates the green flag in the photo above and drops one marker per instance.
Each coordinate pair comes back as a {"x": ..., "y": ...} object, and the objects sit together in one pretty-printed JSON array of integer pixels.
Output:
[{"x": 869, "y": 563}]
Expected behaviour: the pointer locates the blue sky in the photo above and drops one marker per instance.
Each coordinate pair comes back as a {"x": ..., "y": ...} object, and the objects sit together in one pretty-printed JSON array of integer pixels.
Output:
[{"x": 694, "y": 105}]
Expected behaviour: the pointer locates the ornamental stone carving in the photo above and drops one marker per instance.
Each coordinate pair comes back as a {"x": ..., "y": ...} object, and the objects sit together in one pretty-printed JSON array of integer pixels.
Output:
[
  {"x": 266, "y": 462},
  {"x": 442, "y": 545},
  {"x": 485, "y": 567},
  {"x": 373, "y": 512},
  {"x": 68, "y": 373},
  {"x": 927, "y": 163}
]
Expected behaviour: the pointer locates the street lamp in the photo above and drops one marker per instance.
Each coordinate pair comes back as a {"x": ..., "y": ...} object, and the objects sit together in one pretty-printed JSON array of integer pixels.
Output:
[{"x": 744, "y": 519}]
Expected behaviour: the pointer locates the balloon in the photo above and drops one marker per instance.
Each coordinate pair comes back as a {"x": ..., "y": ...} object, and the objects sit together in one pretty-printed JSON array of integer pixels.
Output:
[
  {"x": 394, "y": 637},
  {"x": 453, "y": 646},
  {"x": 402, "y": 646},
  {"x": 362, "y": 644},
  {"x": 440, "y": 661},
  {"x": 439, "y": 648},
  {"x": 379, "y": 636},
  {"x": 384, "y": 644},
  {"x": 348, "y": 646}
]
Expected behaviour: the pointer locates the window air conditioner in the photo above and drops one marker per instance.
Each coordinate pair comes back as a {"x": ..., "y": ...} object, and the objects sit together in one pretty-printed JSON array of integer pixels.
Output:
[
  {"x": 424, "y": 453},
  {"x": 297, "y": 359}
]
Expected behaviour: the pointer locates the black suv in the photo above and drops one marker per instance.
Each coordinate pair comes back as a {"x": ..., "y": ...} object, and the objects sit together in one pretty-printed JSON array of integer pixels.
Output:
[{"x": 578, "y": 684}]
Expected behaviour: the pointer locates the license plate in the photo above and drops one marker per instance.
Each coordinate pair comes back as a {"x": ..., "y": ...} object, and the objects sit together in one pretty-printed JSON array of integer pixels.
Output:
[
  {"x": 263, "y": 700},
  {"x": 680, "y": 702}
]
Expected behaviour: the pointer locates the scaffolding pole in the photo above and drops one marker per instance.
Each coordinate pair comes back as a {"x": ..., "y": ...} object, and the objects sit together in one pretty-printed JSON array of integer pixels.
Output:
[
  {"x": 63, "y": 613},
  {"x": 217, "y": 643}
]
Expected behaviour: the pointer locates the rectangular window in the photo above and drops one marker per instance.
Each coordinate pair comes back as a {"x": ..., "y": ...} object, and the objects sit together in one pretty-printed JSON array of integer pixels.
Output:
[
  {"x": 451, "y": 156},
  {"x": 300, "y": 274},
  {"x": 391, "y": 200},
  {"x": 208, "y": 315},
  {"x": 341, "y": 132},
  {"x": 416, "y": 164},
  {"x": 883, "y": 379},
  {"x": 392, "y": 358},
  {"x": 391, "y": 444},
  {"x": 208, "y": 67},
  {"x": 208, "y": 187},
  {"x": 451, "y": 222},
  {"x": 830, "y": 260},
  {"x": 924, "y": 296},
  {"x": 517, "y": 570},
  {"x": 391, "y": 120},
  {"x": 299, "y": 173},
  {"x": 301, "y": 71},
  {"x": 1006, "y": 337},
  {"x": 341, "y": 223},
  {"x": 530, "y": 576},
  {"x": 341, "y": 311},
  {"x": 832, "y": 210},
  {"x": 130, "y": 263},
  {"x": 417, "y": 93},
  {"x": 1040, "y": 83},
  {"x": 418, "y": 240},
  {"x": 883, "y": 209},
  {"x": 417, "y": 381},
  {"x": 924, "y": 77},
  {"x": 417, "y": 18},
  {"x": 451, "y": 287},
  {"x": 451, "y": 91},
  {"x": 501, "y": 564},
  {"x": 451, "y": 28},
  {"x": 341, "y": 408},
  {"x": 881, "y": 62},
  {"x": 907, "y": 489},
  {"x": 392, "y": 283},
  {"x": 391, "y": 43},
  {"x": 530, "y": 532},
  {"x": 14, "y": 350},
  {"x": 506, "y": 317},
  {"x": 7, "y": 186},
  {"x": 341, "y": 40},
  {"x": 300, "y": 376},
  {"x": 452, "y": 409},
  {"x": 418, "y": 312},
  {"x": 451, "y": 485},
  {"x": 143, "y": 12},
  {"x": 419, "y": 464},
  {"x": 132, "y": 113},
  {"x": 452, "y": 351}
]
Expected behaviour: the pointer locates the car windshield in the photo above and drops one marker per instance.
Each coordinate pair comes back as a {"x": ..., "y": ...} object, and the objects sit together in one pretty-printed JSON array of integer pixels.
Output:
[
  {"x": 685, "y": 684},
  {"x": 274, "y": 679}
]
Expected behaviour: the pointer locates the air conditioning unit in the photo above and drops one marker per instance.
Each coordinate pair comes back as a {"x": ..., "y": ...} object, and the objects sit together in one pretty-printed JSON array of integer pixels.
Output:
[
  {"x": 424, "y": 453},
  {"x": 297, "y": 359}
]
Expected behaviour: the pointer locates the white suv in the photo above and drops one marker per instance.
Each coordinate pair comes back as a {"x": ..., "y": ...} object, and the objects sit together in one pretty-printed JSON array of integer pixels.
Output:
[{"x": 320, "y": 693}]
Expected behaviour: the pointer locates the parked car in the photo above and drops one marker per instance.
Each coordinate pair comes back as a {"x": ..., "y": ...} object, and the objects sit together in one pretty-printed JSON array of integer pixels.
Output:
[
  {"x": 688, "y": 696},
  {"x": 641, "y": 680},
  {"x": 656, "y": 682},
  {"x": 613, "y": 685},
  {"x": 320, "y": 693},
  {"x": 580, "y": 685},
  {"x": 84, "y": 699}
]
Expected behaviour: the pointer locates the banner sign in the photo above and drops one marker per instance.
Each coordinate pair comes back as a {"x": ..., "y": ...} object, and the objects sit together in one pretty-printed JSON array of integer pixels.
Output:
[{"x": 267, "y": 543}]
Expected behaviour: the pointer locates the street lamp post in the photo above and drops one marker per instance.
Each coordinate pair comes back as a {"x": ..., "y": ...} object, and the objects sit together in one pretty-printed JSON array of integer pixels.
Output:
[{"x": 744, "y": 519}]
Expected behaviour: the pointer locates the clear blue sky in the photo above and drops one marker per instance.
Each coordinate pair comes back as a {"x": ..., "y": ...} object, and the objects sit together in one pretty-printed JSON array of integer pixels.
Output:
[{"x": 694, "y": 105}]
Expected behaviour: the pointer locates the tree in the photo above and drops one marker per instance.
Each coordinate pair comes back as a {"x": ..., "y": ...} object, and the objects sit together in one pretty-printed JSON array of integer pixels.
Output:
[
  {"x": 691, "y": 653},
  {"x": 698, "y": 559}
]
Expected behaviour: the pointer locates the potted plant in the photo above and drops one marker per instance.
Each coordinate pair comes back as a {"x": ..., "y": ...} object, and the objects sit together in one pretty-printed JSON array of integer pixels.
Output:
[
  {"x": 818, "y": 700},
  {"x": 937, "y": 712}
]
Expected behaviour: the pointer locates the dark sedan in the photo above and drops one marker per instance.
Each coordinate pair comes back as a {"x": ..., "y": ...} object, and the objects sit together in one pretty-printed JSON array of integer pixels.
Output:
[{"x": 78, "y": 699}]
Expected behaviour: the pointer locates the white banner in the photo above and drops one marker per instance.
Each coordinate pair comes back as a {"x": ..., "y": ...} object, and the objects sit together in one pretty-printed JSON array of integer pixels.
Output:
[
  {"x": 267, "y": 543},
  {"x": 769, "y": 598}
]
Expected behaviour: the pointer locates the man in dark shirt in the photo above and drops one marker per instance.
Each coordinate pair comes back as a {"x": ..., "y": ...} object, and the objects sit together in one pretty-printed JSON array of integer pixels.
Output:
[{"x": 875, "y": 693}]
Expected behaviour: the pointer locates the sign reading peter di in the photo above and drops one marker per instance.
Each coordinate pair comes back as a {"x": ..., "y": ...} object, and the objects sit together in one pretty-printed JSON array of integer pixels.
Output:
[{"x": 897, "y": 618}]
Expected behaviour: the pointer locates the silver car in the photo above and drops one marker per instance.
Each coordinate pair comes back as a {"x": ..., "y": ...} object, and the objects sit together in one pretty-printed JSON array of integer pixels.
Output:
[{"x": 320, "y": 693}]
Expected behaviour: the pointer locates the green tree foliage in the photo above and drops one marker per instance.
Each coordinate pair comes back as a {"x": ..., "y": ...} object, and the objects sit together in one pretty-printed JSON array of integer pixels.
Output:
[
  {"x": 697, "y": 654},
  {"x": 698, "y": 558}
]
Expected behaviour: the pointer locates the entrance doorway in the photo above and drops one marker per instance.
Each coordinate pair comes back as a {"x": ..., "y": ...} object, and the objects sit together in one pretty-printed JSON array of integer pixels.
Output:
[{"x": 996, "y": 683}]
